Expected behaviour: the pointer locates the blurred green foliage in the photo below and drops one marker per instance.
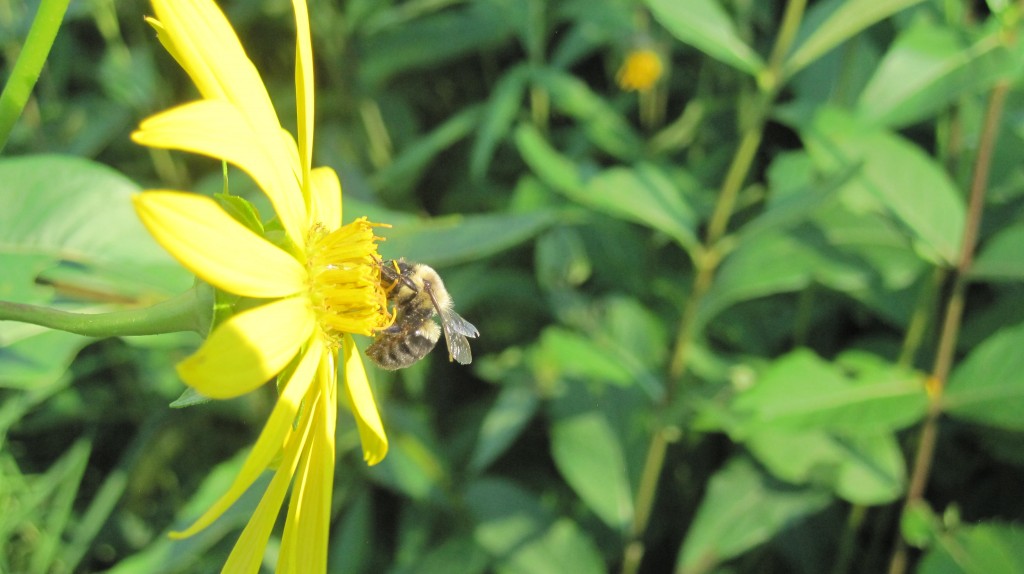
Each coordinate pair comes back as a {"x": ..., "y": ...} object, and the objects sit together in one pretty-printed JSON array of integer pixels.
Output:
[{"x": 709, "y": 312}]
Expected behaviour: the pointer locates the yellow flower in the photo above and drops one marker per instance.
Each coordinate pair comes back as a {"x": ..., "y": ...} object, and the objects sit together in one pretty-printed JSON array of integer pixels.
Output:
[
  {"x": 321, "y": 286},
  {"x": 641, "y": 70}
]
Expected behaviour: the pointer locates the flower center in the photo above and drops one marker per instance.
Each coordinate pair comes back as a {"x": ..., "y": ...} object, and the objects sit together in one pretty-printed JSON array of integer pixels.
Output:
[{"x": 344, "y": 280}]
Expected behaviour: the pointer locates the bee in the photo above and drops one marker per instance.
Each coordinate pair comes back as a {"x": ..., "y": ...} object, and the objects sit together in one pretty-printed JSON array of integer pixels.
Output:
[{"x": 418, "y": 294}]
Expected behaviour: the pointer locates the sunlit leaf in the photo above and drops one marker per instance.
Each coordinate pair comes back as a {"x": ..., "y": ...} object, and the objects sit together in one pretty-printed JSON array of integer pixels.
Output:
[
  {"x": 645, "y": 194},
  {"x": 911, "y": 186},
  {"x": 602, "y": 123},
  {"x": 988, "y": 387},
  {"x": 927, "y": 68},
  {"x": 705, "y": 25},
  {"x": 741, "y": 509},
  {"x": 802, "y": 391},
  {"x": 977, "y": 549},
  {"x": 832, "y": 22},
  {"x": 590, "y": 456},
  {"x": 1001, "y": 258},
  {"x": 503, "y": 424}
]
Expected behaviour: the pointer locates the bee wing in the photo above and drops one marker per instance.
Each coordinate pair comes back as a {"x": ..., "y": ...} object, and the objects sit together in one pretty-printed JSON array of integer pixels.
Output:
[{"x": 456, "y": 329}]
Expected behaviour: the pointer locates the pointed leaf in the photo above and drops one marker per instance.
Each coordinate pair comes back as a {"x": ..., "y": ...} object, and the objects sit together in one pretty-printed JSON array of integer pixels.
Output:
[
  {"x": 909, "y": 184},
  {"x": 741, "y": 509},
  {"x": 988, "y": 387},
  {"x": 926, "y": 69},
  {"x": 705, "y": 25},
  {"x": 832, "y": 22},
  {"x": 590, "y": 456},
  {"x": 646, "y": 195},
  {"x": 1001, "y": 257}
]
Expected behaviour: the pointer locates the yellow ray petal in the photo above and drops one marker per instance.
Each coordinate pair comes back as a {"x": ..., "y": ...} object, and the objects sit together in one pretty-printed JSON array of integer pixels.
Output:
[
  {"x": 304, "y": 88},
  {"x": 371, "y": 429},
  {"x": 271, "y": 439},
  {"x": 211, "y": 244},
  {"x": 326, "y": 196},
  {"x": 249, "y": 348},
  {"x": 247, "y": 554},
  {"x": 208, "y": 49},
  {"x": 304, "y": 542},
  {"x": 217, "y": 129}
]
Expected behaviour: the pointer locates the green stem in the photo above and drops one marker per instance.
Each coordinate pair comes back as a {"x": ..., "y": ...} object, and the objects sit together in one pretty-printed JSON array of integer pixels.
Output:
[
  {"x": 189, "y": 311},
  {"x": 707, "y": 262},
  {"x": 30, "y": 62},
  {"x": 953, "y": 315}
]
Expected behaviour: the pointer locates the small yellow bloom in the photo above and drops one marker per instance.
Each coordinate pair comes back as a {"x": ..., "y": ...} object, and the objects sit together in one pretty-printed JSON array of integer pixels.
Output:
[
  {"x": 321, "y": 287},
  {"x": 641, "y": 70}
]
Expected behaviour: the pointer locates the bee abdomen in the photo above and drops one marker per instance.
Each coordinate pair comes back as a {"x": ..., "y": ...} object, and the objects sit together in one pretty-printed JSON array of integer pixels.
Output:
[{"x": 395, "y": 352}]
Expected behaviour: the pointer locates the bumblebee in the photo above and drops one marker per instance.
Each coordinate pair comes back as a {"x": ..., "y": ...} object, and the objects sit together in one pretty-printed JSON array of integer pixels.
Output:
[{"x": 418, "y": 294}]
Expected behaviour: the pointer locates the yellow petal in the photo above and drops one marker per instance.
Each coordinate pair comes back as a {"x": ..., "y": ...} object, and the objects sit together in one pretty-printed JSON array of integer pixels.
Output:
[
  {"x": 247, "y": 554},
  {"x": 271, "y": 439},
  {"x": 304, "y": 542},
  {"x": 326, "y": 197},
  {"x": 208, "y": 49},
  {"x": 217, "y": 129},
  {"x": 371, "y": 429},
  {"x": 249, "y": 348},
  {"x": 221, "y": 251},
  {"x": 304, "y": 88}
]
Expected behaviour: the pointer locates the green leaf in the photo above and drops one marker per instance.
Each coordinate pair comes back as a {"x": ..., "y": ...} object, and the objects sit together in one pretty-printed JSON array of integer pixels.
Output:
[
  {"x": 405, "y": 170},
  {"x": 602, "y": 123},
  {"x": 919, "y": 525},
  {"x": 988, "y": 387},
  {"x": 862, "y": 470},
  {"x": 498, "y": 117},
  {"x": 704, "y": 25},
  {"x": 505, "y": 421},
  {"x": 70, "y": 239},
  {"x": 561, "y": 260},
  {"x": 78, "y": 213},
  {"x": 775, "y": 263},
  {"x": 564, "y": 547},
  {"x": 352, "y": 538},
  {"x": 567, "y": 354},
  {"x": 741, "y": 509},
  {"x": 414, "y": 465},
  {"x": 645, "y": 194},
  {"x": 590, "y": 457},
  {"x": 832, "y": 22},
  {"x": 1001, "y": 257},
  {"x": 460, "y": 238},
  {"x": 505, "y": 515},
  {"x": 986, "y": 548},
  {"x": 242, "y": 210},
  {"x": 927, "y": 68},
  {"x": 910, "y": 185},
  {"x": 801, "y": 391},
  {"x": 554, "y": 169},
  {"x": 164, "y": 555},
  {"x": 456, "y": 555},
  {"x": 788, "y": 207},
  {"x": 399, "y": 46}
]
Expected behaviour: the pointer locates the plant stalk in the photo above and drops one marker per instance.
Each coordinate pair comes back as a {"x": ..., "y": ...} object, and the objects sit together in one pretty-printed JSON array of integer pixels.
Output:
[
  {"x": 707, "y": 263},
  {"x": 953, "y": 316},
  {"x": 30, "y": 63},
  {"x": 189, "y": 311}
]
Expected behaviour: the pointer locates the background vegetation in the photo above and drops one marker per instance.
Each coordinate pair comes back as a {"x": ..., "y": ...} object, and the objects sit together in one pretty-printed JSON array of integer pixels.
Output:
[{"x": 765, "y": 317}]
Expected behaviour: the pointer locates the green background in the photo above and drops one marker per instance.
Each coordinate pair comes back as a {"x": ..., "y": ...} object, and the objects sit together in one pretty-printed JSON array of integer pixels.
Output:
[{"x": 708, "y": 312}]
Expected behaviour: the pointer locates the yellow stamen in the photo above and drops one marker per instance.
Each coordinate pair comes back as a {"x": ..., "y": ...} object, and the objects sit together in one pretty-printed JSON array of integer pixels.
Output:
[{"x": 345, "y": 284}]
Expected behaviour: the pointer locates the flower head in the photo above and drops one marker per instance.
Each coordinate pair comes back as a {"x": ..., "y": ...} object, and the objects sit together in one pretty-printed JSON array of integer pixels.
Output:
[
  {"x": 640, "y": 71},
  {"x": 318, "y": 285}
]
